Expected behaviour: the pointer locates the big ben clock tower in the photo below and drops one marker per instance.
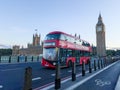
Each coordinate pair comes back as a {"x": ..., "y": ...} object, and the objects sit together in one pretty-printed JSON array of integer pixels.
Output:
[{"x": 100, "y": 37}]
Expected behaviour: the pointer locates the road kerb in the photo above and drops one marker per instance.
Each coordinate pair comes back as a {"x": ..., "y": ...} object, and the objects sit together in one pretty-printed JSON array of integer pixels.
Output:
[{"x": 117, "y": 87}]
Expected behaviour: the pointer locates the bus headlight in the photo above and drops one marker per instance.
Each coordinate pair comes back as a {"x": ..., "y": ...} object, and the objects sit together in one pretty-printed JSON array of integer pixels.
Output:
[{"x": 54, "y": 63}]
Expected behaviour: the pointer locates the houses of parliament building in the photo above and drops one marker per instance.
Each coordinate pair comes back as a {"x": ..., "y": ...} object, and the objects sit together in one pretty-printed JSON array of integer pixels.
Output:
[{"x": 32, "y": 49}]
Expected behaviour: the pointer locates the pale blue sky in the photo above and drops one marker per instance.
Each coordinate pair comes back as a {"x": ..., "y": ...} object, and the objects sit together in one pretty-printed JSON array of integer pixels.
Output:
[{"x": 20, "y": 18}]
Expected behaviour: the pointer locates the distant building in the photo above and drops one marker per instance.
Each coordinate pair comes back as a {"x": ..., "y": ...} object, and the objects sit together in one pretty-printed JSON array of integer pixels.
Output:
[
  {"x": 100, "y": 37},
  {"x": 32, "y": 49}
]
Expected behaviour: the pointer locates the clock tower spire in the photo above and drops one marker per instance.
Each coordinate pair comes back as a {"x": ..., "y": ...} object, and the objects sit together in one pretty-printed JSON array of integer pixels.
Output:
[
  {"x": 100, "y": 21},
  {"x": 100, "y": 37}
]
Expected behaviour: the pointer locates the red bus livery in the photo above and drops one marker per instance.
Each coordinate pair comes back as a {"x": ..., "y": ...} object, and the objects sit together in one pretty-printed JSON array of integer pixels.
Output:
[{"x": 70, "y": 48}]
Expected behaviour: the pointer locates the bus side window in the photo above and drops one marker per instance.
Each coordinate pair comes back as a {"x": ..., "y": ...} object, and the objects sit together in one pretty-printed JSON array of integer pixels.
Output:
[
  {"x": 76, "y": 53},
  {"x": 82, "y": 53},
  {"x": 61, "y": 52},
  {"x": 64, "y": 52},
  {"x": 69, "y": 53},
  {"x": 62, "y": 37},
  {"x": 79, "y": 53},
  {"x": 87, "y": 53}
]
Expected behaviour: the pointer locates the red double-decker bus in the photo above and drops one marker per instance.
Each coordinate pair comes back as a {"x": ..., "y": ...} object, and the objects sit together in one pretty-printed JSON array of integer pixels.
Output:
[{"x": 69, "y": 49}]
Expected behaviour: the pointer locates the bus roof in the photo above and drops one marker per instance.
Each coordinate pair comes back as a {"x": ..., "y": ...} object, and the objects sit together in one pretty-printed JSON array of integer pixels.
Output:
[{"x": 59, "y": 32}]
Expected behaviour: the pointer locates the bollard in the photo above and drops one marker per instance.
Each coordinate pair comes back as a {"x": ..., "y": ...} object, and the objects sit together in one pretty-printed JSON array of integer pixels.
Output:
[
  {"x": 108, "y": 61},
  {"x": 83, "y": 68},
  {"x": 105, "y": 64},
  {"x": 98, "y": 63},
  {"x": 25, "y": 58},
  {"x": 101, "y": 63},
  {"x": 94, "y": 65},
  {"x": 73, "y": 71},
  {"x": 28, "y": 79},
  {"x": 0, "y": 59},
  {"x": 32, "y": 59},
  {"x": 38, "y": 58},
  {"x": 57, "y": 77},
  {"x": 90, "y": 69},
  {"x": 113, "y": 60},
  {"x": 18, "y": 60},
  {"x": 9, "y": 59}
]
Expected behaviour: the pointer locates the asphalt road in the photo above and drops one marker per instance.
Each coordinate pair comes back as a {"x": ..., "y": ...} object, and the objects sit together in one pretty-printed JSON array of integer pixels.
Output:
[{"x": 12, "y": 77}]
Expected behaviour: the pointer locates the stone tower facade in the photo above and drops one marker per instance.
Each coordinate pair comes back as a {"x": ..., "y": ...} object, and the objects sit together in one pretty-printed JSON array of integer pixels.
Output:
[
  {"x": 15, "y": 50},
  {"x": 32, "y": 49},
  {"x": 100, "y": 37},
  {"x": 36, "y": 40}
]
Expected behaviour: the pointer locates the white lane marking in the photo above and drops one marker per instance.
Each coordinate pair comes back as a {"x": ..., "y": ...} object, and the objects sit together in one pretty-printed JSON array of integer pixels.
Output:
[
  {"x": 70, "y": 71},
  {"x": 11, "y": 69},
  {"x": 53, "y": 74},
  {"x": 36, "y": 78},
  {"x": 101, "y": 83},
  {"x": 47, "y": 88},
  {"x": 1, "y": 86},
  {"x": 51, "y": 86},
  {"x": 117, "y": 87},
  {"x": 86, "y": 79}
]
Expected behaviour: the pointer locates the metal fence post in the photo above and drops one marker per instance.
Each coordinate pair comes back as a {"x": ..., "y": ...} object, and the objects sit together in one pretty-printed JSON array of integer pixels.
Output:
[{"x": 28, "y": 79}]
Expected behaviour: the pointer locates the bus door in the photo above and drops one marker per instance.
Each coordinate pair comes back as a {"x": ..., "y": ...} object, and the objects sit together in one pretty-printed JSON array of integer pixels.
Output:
[{"x": 63, "y": 56}]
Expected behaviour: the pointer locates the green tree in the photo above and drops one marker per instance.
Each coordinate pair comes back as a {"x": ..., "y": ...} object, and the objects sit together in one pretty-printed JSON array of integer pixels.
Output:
[{"x": 6, "y": 52}]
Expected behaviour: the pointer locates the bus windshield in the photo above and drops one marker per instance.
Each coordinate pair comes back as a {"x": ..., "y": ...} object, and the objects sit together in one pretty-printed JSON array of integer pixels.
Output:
[
  {"x": 52, "y": 36},
  {"x": 49, "y": 53}
]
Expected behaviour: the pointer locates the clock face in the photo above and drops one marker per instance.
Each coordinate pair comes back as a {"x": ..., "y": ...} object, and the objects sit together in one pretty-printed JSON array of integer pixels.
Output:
[{"x": 99, "y": 28}]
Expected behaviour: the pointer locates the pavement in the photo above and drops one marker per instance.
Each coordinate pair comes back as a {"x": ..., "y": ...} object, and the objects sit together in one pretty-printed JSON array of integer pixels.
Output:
[
  {"x": 102, "y": 79},
  {"x": 118, "y": 84}
]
